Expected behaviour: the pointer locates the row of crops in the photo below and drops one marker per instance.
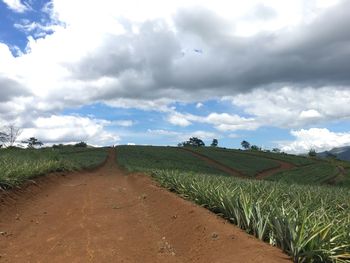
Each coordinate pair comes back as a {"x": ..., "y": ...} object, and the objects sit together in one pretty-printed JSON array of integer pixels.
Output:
[
  {"x": 18, "y": 165},
  {"x": 306, "y": 170},
  {"x": 312, "y": 174},
  {"x": 248, "y": 165},
  {"x": 311, "y": 223},
  {"x": 289, "y": 158},
  {"x": 148, "y": 158}
]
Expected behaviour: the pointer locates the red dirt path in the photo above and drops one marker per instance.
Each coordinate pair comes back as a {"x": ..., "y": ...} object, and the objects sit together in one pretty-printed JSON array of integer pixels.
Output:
[
  {"x": 283, "y": 166},
  {"x": 107, "y": 216}
]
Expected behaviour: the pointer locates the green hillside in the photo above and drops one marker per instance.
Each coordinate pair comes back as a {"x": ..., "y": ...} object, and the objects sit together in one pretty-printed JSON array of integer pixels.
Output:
[
  {"x": 289, "y": 158},
  {"x": 316, "y": 173},
  {"x": 148, "y": 158},
  {"x": 247, "y": 164}
]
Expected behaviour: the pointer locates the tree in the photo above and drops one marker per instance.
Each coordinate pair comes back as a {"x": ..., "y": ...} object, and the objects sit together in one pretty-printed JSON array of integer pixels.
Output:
[
  {"x": 9, "y": 135},
  {"x": 214, "y": 143},
  {"x": 276, "y": 150},
  {"x": 255, "y": 148},
  {"x": 312, "y": 153},
  {"x": 58, "y": 146},
  {"x": 245, "y": 145},
  {"x": 81, "y": 144},
  {"x": 194, "y": 142},
  {"x": 32, "y": 142}
]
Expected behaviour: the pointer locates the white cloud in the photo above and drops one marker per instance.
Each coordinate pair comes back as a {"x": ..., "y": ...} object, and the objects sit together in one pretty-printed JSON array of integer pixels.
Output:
[
  {"x": 295, "y": 107},
  {"x": 310, "y": 114},
  {"x": 69, "y": 129},
  {"x": 315, "y": 138},
  {"x": 144, "y": 58},
  {"x": 221, "y": 121},
  {"x": 179, "y": 119},
  {"x": 199, "y": 105},
  {"x": 229, "y": 122},
  {"x": 16, "y": 5}
]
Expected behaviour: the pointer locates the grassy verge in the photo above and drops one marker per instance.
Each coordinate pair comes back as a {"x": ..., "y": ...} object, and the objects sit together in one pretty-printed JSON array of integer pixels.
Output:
[
  {"x": 18, "y": 165},
  {"x": 309, "y": 223}
]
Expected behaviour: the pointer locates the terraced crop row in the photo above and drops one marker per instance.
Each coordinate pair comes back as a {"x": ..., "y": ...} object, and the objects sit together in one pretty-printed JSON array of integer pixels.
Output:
[
  {"x": 316, "y": 173},
  {"x": 289, "y": 158},
  {"x": 309, "y": 223},
  {"x": 18, "y": 165},
  {"x": 247, "y": 164},
  {"x": 148, "y": 158}
]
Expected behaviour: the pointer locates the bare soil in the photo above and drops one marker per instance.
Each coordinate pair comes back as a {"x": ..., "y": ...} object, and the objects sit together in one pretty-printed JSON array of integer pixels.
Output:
[
  {"x": 283, "y": 166},
  {"x": 108, "y": 216}
]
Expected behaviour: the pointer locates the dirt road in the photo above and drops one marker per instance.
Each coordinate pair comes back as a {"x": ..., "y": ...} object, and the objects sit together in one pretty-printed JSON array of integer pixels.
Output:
[{"x": 107, "y": 216}]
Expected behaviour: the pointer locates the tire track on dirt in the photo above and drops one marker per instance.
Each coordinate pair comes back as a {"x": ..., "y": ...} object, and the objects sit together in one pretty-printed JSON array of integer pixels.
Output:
[{"x": 125, "y": 218}]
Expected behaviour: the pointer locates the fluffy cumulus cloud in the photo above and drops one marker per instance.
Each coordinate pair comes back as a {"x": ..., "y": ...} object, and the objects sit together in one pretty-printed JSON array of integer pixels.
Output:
[
  {"x": 285, "y": 64},
  {"x": 315, "y": 138},
  {"x": 289, "y": 107},
  {"x": 221, "y": 121},
  {"x": 70, "y": 129}
]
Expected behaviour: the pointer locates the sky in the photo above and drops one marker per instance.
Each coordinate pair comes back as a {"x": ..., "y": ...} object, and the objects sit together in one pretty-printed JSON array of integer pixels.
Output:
[{"x": 108, "y": 72}]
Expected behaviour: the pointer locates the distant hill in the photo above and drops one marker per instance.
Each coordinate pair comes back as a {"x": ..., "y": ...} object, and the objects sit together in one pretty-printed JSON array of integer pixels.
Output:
[{"x": 342, "y": 153}]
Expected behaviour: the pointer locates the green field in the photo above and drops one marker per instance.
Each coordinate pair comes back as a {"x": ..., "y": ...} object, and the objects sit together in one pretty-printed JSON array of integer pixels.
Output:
[
  {"x": 247, "y": 164},
  {"x": 19, "y": 165},
  {"x": 291, "y": 209},
  {"x": 309, "y": 223},
  {"x": 316, "y": 173},
  {"x": 289, "y": 158},
  {"x": 148, "y": 158},
  {"x": 309, "y": 171}
]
